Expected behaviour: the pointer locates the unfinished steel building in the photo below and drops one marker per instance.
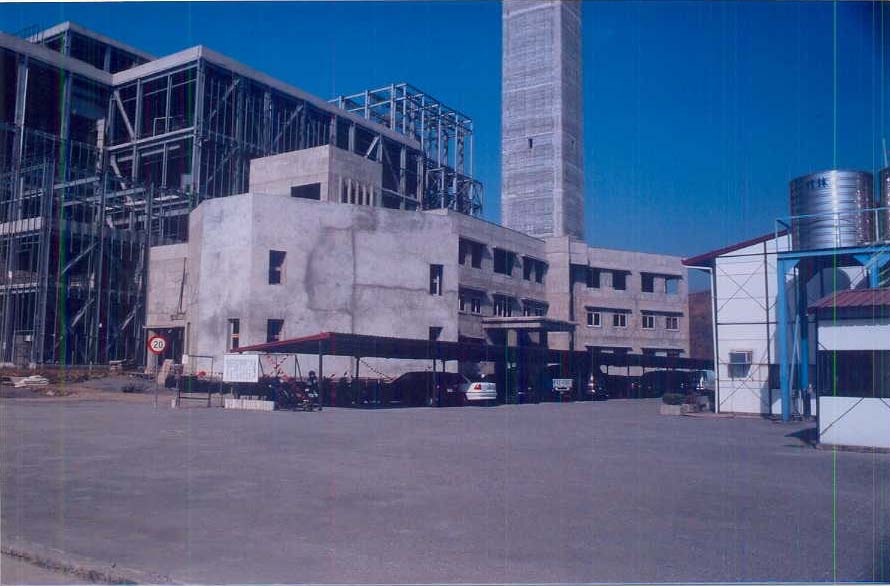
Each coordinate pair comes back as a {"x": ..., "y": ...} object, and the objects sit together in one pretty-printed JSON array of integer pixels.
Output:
[{"x": 104, "y": 150}]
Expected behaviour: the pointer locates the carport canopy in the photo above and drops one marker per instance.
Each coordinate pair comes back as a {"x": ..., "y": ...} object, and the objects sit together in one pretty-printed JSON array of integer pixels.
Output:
[
  {"x": 651, "y": 361},
  {"x": 338, "y": 344}
]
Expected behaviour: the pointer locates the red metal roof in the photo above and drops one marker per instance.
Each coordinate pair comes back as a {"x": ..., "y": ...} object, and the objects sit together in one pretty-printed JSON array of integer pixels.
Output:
[
  {"x": 705, "y": 257},
  {"x": 860, "y": 298},
  {"x": 339, "y": 344}
]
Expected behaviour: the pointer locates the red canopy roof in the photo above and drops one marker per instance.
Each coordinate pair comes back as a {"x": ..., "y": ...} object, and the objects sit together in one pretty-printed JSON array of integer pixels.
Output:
[
  {"x": 707, "y": 257},
  {"x": 856, "y": 298}
]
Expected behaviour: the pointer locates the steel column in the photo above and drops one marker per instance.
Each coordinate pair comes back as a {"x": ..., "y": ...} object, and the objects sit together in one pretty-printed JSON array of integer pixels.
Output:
[{"x": 784, "y": 265}]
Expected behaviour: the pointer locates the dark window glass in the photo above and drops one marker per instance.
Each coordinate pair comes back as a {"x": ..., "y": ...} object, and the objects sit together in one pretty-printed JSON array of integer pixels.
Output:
[
  {"x": 273, "y": 329},
  {"x": 503, "y": 261},
  {"x": 276, "y": 266},
  {"x": 309, "y": 191},
  {"x": 436, "y": 279}
]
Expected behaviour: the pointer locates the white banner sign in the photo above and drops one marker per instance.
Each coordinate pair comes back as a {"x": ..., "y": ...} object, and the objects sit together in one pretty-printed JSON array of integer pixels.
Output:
[
  {"x": 562, "y": 384},
  {"x": 241, "y": 368}
]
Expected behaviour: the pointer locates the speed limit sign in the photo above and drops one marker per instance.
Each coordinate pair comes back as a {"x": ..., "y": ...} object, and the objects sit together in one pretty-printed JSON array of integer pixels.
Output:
[{"x": 157, "y": 344}]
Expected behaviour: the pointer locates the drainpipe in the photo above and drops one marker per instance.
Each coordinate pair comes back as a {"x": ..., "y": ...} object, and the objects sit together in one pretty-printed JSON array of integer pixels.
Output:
[{"x": 713, "y": 275}]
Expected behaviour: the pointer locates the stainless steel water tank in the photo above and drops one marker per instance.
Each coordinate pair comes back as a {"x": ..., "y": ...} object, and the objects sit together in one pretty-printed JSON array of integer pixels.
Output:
[
  {"x": 884, "y": 202},
  {"x": 835, "y": 199}
]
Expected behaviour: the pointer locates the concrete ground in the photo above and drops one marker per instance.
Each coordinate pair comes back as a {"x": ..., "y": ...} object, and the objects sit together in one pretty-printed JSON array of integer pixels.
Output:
[
  {"x": 16, "y": 571},
  {"x": 531, "y": 493}
]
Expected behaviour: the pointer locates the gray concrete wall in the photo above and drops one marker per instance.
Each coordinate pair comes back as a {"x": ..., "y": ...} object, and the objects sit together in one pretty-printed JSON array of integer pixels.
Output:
[
  {"x": 344, "y": 177},
  {"x": 541, "y": 130},
  {"x": 484, "y": 278},
  {"x": 570, "y": 297},
  {"x": 167, "y": 294},
  {"x": 657, "y": 303},
  {"x": 349, "y": 269}
]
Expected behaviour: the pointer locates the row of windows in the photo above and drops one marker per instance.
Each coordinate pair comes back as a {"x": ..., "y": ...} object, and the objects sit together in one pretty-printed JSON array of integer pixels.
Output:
[
  {"x": 503, "y": 261},
  {"x": 502, "y": 305},
  {"x": 619, "y": 320},
  {"x": 532, "y": 268},
  {"x": 649, "y": 282}
]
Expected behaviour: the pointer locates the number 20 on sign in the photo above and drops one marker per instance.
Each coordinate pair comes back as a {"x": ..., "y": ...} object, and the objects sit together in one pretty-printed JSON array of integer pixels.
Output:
[{"x": 157, "y": 344}]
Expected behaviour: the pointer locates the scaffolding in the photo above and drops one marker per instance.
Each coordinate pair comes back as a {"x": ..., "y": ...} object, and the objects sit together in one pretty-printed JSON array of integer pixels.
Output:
[{"x": 445, "y": 136}]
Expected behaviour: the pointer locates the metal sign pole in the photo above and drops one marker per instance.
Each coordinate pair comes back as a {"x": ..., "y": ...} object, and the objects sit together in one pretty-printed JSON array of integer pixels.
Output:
[{"x": 155, "y": 383}]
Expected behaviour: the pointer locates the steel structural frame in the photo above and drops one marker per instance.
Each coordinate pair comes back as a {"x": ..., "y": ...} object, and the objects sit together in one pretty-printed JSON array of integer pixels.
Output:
[
  {"x": 74, "y": 239},
  {"x": 445, "y": 136},
  {"x": 874, "y": 259},
  {"x": 95, "y": 200}
]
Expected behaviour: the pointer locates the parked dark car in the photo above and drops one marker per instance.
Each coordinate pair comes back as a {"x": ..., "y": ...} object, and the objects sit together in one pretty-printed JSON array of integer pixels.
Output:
[
  {"x": 415, "y": 389},
  {"x": 658, "y": 382},
  {"x": 597, "y": 387},
  {"x": 622, "y": 387}
]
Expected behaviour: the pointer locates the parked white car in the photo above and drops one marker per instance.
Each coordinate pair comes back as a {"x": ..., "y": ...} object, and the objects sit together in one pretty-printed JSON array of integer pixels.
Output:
[{"x": 480, "y": 392}]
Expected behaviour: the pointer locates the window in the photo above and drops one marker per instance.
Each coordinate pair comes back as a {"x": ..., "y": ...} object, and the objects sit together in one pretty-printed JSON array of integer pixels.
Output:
[
  {"x": 273, "y": 329},
  {"x": 540, "y": 269},
  {"x": 464, "y": 250},
  {"x": 503, "y": 261},
  {"x": 619, "y": 320},
  {"x": 531, "y": 143},
  {"x": 648, "y": 322},
  {"x": 672, "y": 285},
  {"x": 276, "y": 266},
  {"x": 739, "y": 363},
  {"x": 435, "y": 332},
  {"x": 533, "y": 268},
  {"x": 310, "y": 191},
  {"x": 234, "y": 334},
  {"x": 674, "y": 353},
  {"x": 593, "y": 278},
  {"x": 594, "y": 319},
  {"x": 469, "y": 301},
  {"x": 503, "y": 306},
  {"x": 436, "y": 279},
  {"x": 647, "y": 283},
  {"x": 467, "y": 249},
  {"x": 534, "y": 308},
  {"x": 672, "y": 322},
  {"x": 619, "y": 280}
]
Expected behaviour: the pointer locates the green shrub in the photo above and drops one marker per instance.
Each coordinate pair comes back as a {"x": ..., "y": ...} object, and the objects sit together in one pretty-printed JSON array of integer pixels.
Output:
[{"x": 673, "y": 398}]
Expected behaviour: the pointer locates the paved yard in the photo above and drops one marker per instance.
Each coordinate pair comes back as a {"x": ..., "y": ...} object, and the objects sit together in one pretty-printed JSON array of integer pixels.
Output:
[
  {"x": 15, "y": 571},
  {"x": 532, "y": 493}
]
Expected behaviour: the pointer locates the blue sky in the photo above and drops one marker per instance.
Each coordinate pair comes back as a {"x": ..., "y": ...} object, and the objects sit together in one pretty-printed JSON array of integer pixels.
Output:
[{"x": 697, "y": 114}]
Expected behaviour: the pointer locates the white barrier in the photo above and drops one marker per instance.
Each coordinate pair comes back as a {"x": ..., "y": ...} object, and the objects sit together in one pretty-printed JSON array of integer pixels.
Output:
[
  {"x": 250, "y": 404},
  {"x": 854, "y": 421}
]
